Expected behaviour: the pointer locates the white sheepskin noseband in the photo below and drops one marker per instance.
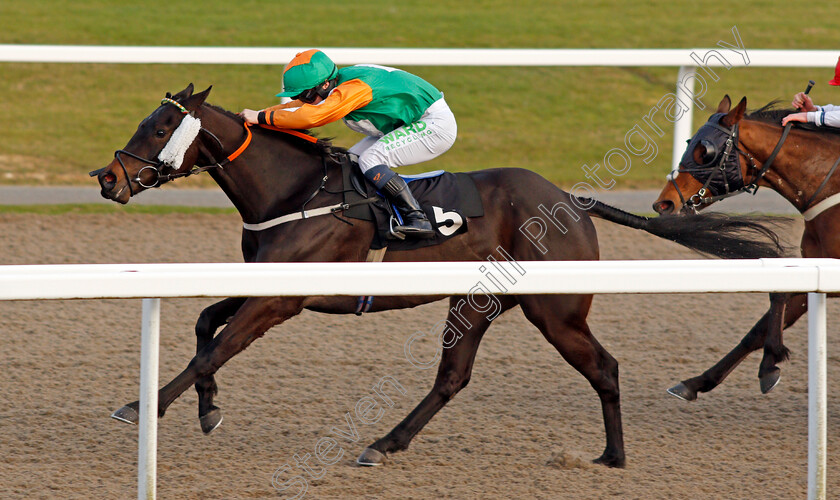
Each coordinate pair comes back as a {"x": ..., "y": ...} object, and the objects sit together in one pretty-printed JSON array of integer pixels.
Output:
[{"x": 181, "y": 140}]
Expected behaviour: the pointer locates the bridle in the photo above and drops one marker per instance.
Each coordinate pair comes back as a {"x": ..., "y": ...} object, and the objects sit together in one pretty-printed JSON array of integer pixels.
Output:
[
  {"x": 156, "y": 166},
  {"x": 725, "y": 162}
]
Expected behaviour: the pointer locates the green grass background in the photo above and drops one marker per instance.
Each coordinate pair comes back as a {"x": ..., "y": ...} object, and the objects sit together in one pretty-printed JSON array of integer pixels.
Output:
[{"x": 61, "y": 120}]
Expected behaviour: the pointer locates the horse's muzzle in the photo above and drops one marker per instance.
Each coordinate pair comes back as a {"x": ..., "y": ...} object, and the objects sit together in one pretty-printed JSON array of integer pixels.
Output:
[
  {"x": 109, "y": 183},
  {"x": 664, "y": 207}
]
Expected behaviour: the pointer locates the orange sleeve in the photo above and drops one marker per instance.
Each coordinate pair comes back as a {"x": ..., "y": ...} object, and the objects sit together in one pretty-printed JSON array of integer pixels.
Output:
[
  {"x": 291, "y": 104},
  {"x": 344, "y": 99}
]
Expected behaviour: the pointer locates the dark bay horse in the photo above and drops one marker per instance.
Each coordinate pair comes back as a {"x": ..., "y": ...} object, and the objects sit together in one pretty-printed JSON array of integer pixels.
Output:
[
  {"x": 267, "y": 174},
  {"x": 801, "y": 168}
]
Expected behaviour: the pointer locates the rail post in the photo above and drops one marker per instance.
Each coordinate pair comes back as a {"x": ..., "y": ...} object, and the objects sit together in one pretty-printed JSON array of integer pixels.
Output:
[
  {"x": 147, "y": 440},
  {"x": 817, "y": 396},
  {"x": 682, "y": 126}
]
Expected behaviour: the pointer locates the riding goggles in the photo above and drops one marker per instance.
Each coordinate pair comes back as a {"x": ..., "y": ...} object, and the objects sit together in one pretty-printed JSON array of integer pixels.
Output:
[{"x": 308, "y": 96}]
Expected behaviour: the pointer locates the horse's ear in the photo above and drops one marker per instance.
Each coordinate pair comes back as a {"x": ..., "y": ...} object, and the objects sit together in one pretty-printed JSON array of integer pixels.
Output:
[
  {"x": 184, "y": 93},
  {"x": 736, "y": 114},
  {"x": 195, "y": 101},
  {"x": 724, "y": 105}
]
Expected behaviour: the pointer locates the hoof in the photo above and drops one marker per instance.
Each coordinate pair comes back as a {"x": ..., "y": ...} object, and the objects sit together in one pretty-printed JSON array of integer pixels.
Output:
[
  {"x": 769, "y": 381},
  {"x": 210, "y": 420},
  {"x": 126, "y": 414},
  {"x": 617, "y": 462},
  {"x": 370, "y": 458},
  {"x": 682, "y": 392}
]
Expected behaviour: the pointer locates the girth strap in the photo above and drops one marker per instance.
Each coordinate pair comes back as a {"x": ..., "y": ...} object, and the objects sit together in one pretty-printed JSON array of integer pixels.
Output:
[{"x": 304, "y": 214}]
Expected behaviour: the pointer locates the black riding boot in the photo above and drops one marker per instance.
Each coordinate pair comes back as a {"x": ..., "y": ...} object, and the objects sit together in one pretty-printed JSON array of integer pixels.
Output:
[{"x": 415, "y": 223}]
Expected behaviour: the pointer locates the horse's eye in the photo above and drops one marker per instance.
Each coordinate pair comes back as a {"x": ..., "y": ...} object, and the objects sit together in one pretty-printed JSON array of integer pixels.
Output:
[{"x": 160, "y": 133}]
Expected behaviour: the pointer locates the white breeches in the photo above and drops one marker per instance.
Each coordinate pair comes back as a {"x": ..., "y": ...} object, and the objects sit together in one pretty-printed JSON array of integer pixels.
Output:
[{"x": 429, "y": 137}]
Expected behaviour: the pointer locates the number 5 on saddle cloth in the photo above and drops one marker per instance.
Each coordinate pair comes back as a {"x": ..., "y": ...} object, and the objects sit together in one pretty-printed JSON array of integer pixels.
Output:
[{"x": 448, "y": 199}]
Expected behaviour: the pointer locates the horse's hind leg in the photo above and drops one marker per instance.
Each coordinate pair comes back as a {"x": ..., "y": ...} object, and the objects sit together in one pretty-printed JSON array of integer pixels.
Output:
[
  {"x": 687, "y": 389},
  {"x": 562, "y": 320},
  {"x": 452, "y": 376},
  {"x": 210, "y": 319}
]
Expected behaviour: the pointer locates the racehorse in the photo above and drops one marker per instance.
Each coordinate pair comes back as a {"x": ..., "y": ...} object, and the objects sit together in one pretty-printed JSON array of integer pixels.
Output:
[
  {"x": 268, "y": 173},
  {"x": 798, "y": 163}
]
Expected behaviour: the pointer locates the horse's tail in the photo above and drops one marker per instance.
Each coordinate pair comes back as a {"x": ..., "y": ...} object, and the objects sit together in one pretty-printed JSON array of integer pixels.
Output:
[{"x": 721, "y": 235}]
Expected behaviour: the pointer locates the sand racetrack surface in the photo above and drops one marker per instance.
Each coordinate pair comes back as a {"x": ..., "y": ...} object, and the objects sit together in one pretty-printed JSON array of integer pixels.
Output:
[{"x": 527, "y": 426}]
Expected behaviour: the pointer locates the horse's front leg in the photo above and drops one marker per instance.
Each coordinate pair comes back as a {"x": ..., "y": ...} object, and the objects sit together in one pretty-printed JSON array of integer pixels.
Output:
[
  {"x": 687, "y": 389},
  {"x": 210, "y": 319},
  {"x": 774, "y": 349},
  {"x": 250, "y": 322}
]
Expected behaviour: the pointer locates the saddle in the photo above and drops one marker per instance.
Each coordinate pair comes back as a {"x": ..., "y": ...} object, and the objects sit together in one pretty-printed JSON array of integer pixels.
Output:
[{"x": 448, "y": 199}]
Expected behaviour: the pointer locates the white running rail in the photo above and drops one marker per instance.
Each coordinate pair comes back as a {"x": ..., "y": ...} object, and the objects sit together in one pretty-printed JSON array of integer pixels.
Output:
[
  {"x": 687, "y": 60},
  {"x": 815, "y": 276}
]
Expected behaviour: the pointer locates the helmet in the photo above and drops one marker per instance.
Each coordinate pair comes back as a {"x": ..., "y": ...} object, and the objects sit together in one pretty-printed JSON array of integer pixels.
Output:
[{"x": 307, "y": 70}]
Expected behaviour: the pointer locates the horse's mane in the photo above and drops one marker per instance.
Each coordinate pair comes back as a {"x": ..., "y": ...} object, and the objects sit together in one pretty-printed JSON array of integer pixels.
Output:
[
  {"x": 773, "y": 113},
  {"x": 323, "y": 146}
]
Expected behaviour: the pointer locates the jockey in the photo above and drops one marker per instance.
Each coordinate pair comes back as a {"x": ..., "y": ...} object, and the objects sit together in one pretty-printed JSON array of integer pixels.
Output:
[
  {"x": 404, "y": 117},
  {"x": 828, "y": 114}
]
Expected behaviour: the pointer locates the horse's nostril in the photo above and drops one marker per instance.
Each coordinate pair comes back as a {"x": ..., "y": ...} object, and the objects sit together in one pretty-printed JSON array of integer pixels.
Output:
[
  {"x": 108, "y": 180},
  {"x": 663, "y": 207}
]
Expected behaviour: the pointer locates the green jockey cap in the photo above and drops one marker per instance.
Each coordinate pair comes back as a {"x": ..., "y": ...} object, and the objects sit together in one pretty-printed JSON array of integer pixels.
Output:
[{"x": 307, "y": 70}]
